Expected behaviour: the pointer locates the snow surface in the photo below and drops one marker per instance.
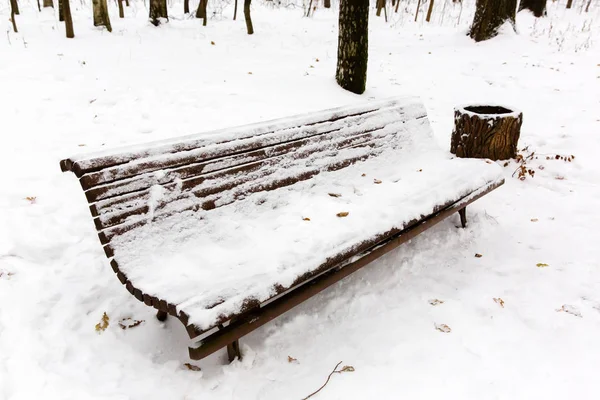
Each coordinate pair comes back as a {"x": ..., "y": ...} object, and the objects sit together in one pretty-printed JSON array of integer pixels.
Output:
[{"x": 143, "y": 83}]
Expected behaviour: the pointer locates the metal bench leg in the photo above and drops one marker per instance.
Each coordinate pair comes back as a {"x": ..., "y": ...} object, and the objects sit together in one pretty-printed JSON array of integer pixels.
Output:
[
  {"x": 233, "y": 351},
  {"x": 161, "y": 316},
  {"x": 463, "y": 216}
]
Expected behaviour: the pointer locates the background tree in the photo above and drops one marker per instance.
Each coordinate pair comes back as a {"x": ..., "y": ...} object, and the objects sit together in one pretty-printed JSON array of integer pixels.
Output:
[
  {"x": 489, "y": 16},
  {"x": 14, "y": 7},
  {"x": 327, "y": 3},
  {"x": 13, "y": 11},
  {"x": 569, "y": 3},
  {"x": 67, "y": 18},
  {"x": 186, "y": 6},
  {"x": 48, "y": 3},
  {"x": 201, "y": 11},
  {"x": 538, "y": 7},
  {"x": 353, "y": 45},
  {"x": 380, "y": 5},
  {"x": 249, "y": 26},
  {"x": 121, "y": 11},
  {"x": 61, "y": 12},
  {"x": 429, "y": 11},
  {"x": 101, "y": 17},
  {"x": 158, "y": 9}
]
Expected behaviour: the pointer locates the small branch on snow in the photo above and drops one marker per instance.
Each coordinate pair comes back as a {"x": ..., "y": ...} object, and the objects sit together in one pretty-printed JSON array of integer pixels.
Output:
[{"x": 346, "y": 368}]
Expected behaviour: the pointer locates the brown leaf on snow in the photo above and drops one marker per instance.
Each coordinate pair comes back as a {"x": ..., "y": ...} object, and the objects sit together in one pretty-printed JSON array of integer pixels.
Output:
[
  {"x": 443, "y": 328},
  {"x": 435, "y": 302},
  {"x": 30, "y": 199},
  {"x": 534, "y": 220},
  {"x": 347, "y": 368},
  {"x": 499, "y": 301},
  {"x": 376, "y": 181},
  {"x": 192, "y": 367},
  {"x": 477, "y": 255},
  {"x": 364, "y": 175},
  {"x": 335, "y": 194},
  {"x": 541, "y": 265},
  {"x": 343, "y": 214},
  {"x": 305, "y": 219},
  {"x": 127, "y": 323},
  {"x": 292, "y": 359},
  {"x": 103, "y": 324},
  {"x": 211, "y": 42}
]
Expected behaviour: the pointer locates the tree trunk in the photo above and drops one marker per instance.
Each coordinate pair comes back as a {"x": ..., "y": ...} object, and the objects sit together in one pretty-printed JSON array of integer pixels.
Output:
[
  {"x": 101, "y": 17},
  {"x": 309, "y": 7},
  {"x": 235, "y": 10},
  {"x": 158, "y": 9},
  {"x": 397, "y": 4},
  {"x": 569, "y": 3},
  {"x": 201, "y": 11},
  {"x": 68, "y": 19},
  {"x": 247, "y": 17},
  {"x": 537, "y": 7},
  {"x": 393, "y": 3},
  {"x": 353, "y": 45},
  {"x": 489, "y": 17},
  {"x": 61, "y": 12},
  {"x": 186, "y": 6},
  {"x": 126, "y": 3},
  {"x": 121, "y": 11},
  {"x": 380, "y": 5},
  {"x": 39, "y": 6},
  {"x": 486, "y": 132},
  {"x": 13, "y": 8},
  {"x": 429, "y": 10},
  {"x": 48, "y": 3},
  {"x": 417, "y": 13},
  {"x": 327, "y": 3},
  {"x": 587, "y": 8}
]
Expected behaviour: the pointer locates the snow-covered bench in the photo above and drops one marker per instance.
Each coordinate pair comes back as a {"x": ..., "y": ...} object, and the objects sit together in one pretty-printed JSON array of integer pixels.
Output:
[{"x": 229, "y": 229}]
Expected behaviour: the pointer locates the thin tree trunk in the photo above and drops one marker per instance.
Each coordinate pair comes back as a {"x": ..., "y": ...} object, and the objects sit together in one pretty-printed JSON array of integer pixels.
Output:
[
  {"x": 429, "y": 10},
  {"x": 393, "y": 3},
  {"x": 249, "y": 26},
  {"x": 385, "y": 11},
  {"x": 327, "y": 3},
  {"x": 186, "y": 6},
  {"x": 101, "y": 17},
  {"x": 48, "y": 3},
  {"x": 121, "y": 11},
  {"x": 204, "y": 4},
  {"x": 309, "y": 7},
  {"x": 380, "y": 5},
  {"x": 397, "y": 4},
  {"x": 353, "y": 45},
  {"x": 13, "y": 8},
  {"x": 569, "y": 3},
  {"x": 235, "y": 10},
  {"x": 489, "y": 16},
  {"x": 39, "y": 6},
  {"x": 126, "y": 3},
  {"x": 158, "y": 9},
  {"x": 538, "y": 7},
  {"x": 68, "y": 19},
  {"x": 201, "y": 10},
  {"x": 61, "y": 12},
  {"x": 587, "y": 8},
  {"x": 417, "y": 13}
]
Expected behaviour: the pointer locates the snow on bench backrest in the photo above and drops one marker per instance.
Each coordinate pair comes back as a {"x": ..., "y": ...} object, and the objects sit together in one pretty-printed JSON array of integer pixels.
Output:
[{"x": 133, "y": 185}]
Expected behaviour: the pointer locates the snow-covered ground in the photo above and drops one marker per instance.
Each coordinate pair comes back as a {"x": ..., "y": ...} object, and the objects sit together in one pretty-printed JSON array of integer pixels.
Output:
[{"x": 139, "y": 83}]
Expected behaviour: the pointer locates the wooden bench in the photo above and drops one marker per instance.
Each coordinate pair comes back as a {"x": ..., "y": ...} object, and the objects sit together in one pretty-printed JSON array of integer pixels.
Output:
[{"x": 229, "y": 229}]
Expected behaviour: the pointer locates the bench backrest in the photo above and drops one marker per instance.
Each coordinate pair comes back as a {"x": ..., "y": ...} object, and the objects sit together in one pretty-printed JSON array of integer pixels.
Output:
[{"x": 130, "y": 186}]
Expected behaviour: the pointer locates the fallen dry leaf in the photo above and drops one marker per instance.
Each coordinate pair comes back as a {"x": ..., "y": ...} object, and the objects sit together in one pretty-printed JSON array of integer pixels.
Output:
[
  {"x": 443, "y": 328},
  {"x": 478, "y": 255},
  {"x": 541, "y": 265},
  {"x": 347, "y": 368},
  {"x": 127, "y": 323},
  {"x": 534, "y": 220},
  {"x": 499, "y": 301},
  {"x": 435, "y": 302},
  {"x": 192, "y": 367},
  {"x": 343, "y": 214},
  {"x": 376, "y": 181},
  {"x": 30, "y": 199},
  {"x": 305, "y": 219},
  {"x": 292, "y": 359},
  {"x": 103, "y": 324},
  {"x": 335, "y": 194},
  {"x": 249, "y": 73},
  {"x": 211, "y": 42},
  {"x": 420, "y": 170}
]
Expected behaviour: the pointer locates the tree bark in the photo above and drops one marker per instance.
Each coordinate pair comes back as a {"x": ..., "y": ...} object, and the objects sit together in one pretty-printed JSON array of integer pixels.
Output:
[
  {"x": 158, "y": 9},
  {"x": 48, "y": 3},
  {"x": 429, "y": 10},
  {"x": 235, "y": 10},
  {"x": 353, "y": 45},
  {"x": 327, "y": 3},
  {"x": 489, "y": 17},
  {"x": 569, "y": 3},
  {"x": 486, "y": 132},
  {"x": 537, "y": 7},
  {"x": 380, "y": 5},
  {"x": 126, "y": 3},
  {"x": 249, "y": 26},
  {"x": 397, "y": 4},
  {"x": 68, "y": 19},
  {"x": 101, "y": 17},
  {"x": 39, "y": 6},
  {"x": 121, "y": 11},
  {"x": 186, "y": 6},
  {"x": 201, "y": 11},
  {"x": 417, "y": 13},
  {"x": 61, "y": 12},
  {"x": 13, "y": 9},
  {"x": 587, "y": 8}
]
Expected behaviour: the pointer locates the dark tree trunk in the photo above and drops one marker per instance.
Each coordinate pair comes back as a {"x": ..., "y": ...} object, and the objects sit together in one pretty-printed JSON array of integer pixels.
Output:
[
  {"x": 48, "y": 3},
  {"x": 489, "y": 16},
  {"x": 13, "y": 11},
  {"x": 126, "y": 3},
  {"x": 353, "y": 45},
  {"x": 235, "y": 10},
  {"x": 393, "y": 3},
  {"x": 309, "y": 7},
  {"x": 538, "y": 7},
  {"x": 429, "y": 10},
  {"x": 101, "y": 17},
  {"x": 417, "y": 13},
  {"x": 61, "y": 12},
  {"x": 249, "y": 26},
  {"x": 121, "y": 11},
  {"x": 587, "y": 8},
  {"x": 39, "y": 6},
  {"x": 186, "y": 6},
  {"x": 158, "y": 9},
  {"x": 486, "y": 132},
  {"x": 201, "y": 11},
  {"x": 380, "y": 6},
  {"x": 569, "y": 3},
  {"x": 68, "y": 19},
  {"x": 327, "y": 3},
  {"x": 397, "y": 4}
]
